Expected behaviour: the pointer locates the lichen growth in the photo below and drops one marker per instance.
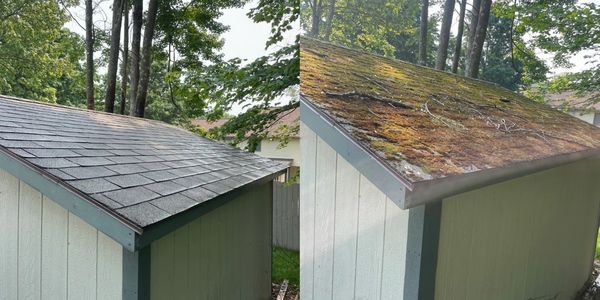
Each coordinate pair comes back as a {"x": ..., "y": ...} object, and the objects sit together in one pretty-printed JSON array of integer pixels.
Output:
[{"x": 439, "y": 122}]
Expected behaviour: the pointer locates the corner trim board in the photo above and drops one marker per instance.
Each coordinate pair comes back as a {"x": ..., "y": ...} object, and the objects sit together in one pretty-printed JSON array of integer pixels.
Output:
[
  {"x": 422, "y": 251},
  {"x": 69, "y": 200},
  {"x": 136, "y": 274},
  {"x": 387, "y": 181}
]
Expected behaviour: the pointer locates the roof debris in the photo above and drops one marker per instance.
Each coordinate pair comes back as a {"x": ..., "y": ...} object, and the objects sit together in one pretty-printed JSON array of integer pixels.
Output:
[{"x": 426, "y": 124}]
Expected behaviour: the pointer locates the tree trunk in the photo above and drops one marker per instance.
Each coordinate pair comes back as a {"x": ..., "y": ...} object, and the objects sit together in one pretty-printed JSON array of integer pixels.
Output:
[
  {"x": 423, "y": 39},
  {"x": 317, "y": 10},
  {"x": 459, "y": 36},
  {"x": 124, "y": 73},
  {"x": 89, "y": 54},
  {"x": 138, "y": 7},
  {"x": 472, "y": 29},
  {"x": 113, "y": 60},
  {"x": 479, "y": 39},
  {"x": 442, "y": 52},
  {"x": 330, "y": 16},
  {"x": 146, "y": 59}
]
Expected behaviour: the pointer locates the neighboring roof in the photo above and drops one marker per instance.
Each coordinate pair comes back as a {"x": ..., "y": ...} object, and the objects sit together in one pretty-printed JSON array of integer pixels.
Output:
[
  {"x": 423, "y": 125},
  {"x": 287, "y": 118},
  {"x": 137, "y": 170},
  {"x": 572, "y": 101}
]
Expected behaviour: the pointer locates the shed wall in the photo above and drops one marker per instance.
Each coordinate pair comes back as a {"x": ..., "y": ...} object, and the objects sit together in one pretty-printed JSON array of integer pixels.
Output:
[
  {"x": 527, "y": 238},
  {"x": 48, "y": 253},
  {"x": 353, "y": 239},
  {"x": 224, "y": 254}
]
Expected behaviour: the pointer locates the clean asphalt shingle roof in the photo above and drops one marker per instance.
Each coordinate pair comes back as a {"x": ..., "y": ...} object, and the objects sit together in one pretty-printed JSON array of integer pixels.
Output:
[{"x": 142, "y": 170}]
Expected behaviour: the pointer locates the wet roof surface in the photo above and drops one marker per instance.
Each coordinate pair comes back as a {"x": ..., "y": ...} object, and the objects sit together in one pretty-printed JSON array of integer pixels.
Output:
[
  {"x": 142, "y": 170},
  {"x": 426, "y": 124}
]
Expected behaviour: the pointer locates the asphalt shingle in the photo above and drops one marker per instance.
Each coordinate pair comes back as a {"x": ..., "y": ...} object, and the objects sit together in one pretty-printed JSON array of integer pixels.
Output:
[{"x": 142, "y": 170}]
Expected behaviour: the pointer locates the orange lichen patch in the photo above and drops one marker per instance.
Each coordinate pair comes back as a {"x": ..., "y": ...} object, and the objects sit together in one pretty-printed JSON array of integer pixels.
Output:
[{"x": 428, "y": 124}]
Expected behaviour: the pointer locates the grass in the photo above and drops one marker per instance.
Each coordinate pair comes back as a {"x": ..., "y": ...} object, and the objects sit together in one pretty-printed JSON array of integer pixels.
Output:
[
  {"x": 286, "y": 265},
  {"x": 598, "y": 247}
]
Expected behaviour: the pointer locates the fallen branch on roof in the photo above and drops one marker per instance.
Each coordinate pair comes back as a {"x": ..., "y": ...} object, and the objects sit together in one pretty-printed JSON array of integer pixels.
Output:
[{"x": 392, "y": 102}]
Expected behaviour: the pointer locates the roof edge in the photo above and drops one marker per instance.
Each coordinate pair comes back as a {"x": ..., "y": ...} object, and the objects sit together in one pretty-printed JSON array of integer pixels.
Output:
[
  {"x": 158, "y": 230},
  {"x": 118, "y": 228},
  {"x": 363, "y": 159},
  {"x": 439, "y": 189}
]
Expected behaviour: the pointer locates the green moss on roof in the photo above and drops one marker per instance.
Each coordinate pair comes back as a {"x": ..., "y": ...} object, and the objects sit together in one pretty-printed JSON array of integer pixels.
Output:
[{"x": 428, "y": 124}]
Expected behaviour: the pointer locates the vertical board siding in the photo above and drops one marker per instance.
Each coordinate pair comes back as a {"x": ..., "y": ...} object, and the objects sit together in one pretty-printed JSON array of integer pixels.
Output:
[
  {"x": 308, "y": 154},
  {"x": 30, "y": 232},
  {"x": 324, "y": 220},
  {"x": 9, "y": 235},
  {"x": 48, "y": 253},
  {"x": 358, "y": 235},
  {"x": 224, "y": 254},
  {"x": 55, "y": 221},
  {"x": 286, "y": 215},
  {"x": 527, "y": 238}
]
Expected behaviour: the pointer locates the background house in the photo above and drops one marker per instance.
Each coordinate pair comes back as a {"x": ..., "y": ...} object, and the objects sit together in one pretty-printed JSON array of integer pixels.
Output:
[
  {"x": 102, "y": 206},
  {"x": 576, "y": 105},
  {"x": 286, "y": 195},
  {"x": 420, "y": 184},
  {"x": 271, "y": 146}
]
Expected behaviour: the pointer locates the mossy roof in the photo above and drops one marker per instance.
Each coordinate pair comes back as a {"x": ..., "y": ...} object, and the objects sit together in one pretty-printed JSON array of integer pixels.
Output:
[{"x": 427, "y": 124}]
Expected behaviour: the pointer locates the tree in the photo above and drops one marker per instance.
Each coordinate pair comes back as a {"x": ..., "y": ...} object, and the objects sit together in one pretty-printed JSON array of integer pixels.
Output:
[
  {"x": 317, "y": 12},
  {"x": 136, "y": 38},
  {"x": 124, "y": 73},
  {"x": 142, "y": 90},
  {"x": 423, "y": 33},
  {"x": 330, "y": 17},
  {"x": 89, "y": 49},
  {"x": 472, "y": 28},
  {"x": 459, "y": 36},
  {"x": 479, "y": 39},
  {"x": 258, "y": 85},
  {"x": 442, "y": 53},
  {"x": 113, "y": 61},
  {"x": 34, "y": 63}
]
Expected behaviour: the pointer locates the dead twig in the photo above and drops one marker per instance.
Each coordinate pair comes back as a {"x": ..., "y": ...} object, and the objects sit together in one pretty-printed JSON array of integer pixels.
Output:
[
  {"x": 394, "y": 103},
  {"x": 282, "y": 290},
  {"x": 372, "y": 81}
]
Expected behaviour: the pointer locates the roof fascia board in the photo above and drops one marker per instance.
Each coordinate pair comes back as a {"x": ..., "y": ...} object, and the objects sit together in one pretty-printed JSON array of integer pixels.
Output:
[
  {"x": 69, "y": 200},
  {"x": 438, "y": 189},
  {"x": 162, "y": 228},
  {"x": 362, "y": 159}
]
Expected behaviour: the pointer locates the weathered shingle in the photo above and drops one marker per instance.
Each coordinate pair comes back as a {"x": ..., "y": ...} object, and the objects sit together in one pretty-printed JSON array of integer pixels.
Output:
[{"x": 140, "y": 169}]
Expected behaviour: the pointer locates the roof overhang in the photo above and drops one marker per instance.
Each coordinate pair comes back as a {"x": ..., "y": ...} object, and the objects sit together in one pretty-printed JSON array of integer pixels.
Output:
[
  {"x": 70, "y": 199},
  {"x": 406, "y": 194}
]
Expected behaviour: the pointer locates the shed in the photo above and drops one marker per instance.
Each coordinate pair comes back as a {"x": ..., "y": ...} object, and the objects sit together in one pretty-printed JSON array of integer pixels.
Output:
[
  {"x": 102, "y": 206},
  {"x": 420, "y": 184}
]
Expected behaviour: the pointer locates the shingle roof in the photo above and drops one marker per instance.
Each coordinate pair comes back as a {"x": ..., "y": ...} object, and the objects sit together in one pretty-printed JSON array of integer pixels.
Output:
[
  {"x": 425, "y": 124},
  {"x": 142, "y": 170}
]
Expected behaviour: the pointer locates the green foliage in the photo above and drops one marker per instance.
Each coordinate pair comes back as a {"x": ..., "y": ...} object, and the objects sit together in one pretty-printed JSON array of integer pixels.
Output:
[
  {"x": 38, "y": 59},
  {"x": 286, "y": 265},
  {"x": 259, "y": 85}
]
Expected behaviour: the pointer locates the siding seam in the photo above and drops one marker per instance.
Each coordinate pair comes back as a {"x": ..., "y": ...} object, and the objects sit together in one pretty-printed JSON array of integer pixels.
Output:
[
  {"x": 334, "y": 210},
  {"x": 18, "y": 233},
  {"x": 68, "y": 234},
  {"x": 383, "y": 248},
  {"x": 41, "y": 240},
  {"x": 314, "y": 216},
  {"x": 357, "y": 230},
  {"x": 97, "y": 250}
]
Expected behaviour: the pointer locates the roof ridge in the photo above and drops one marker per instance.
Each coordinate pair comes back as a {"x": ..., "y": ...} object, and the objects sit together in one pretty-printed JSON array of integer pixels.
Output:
[
  {"x": 407, "y": 62},
  {"x": 34, "y": 102}
]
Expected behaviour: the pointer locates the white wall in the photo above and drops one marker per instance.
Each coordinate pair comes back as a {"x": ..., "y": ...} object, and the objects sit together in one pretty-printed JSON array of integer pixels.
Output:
[
  {"x": 528, "y": 238},
  {"x": 224, "y": 254},
  {"x": 270, "y": 148},
  {"x": 352, "y": 238},
  {"x": 48, "y": 253}
]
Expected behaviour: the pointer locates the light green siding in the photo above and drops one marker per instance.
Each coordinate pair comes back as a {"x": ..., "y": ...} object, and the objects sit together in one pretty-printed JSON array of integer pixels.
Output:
[
  {"x": 527, "y": 238},
  {"x": 224, "y": 254},
  {"x": 46, "y": 252}
]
